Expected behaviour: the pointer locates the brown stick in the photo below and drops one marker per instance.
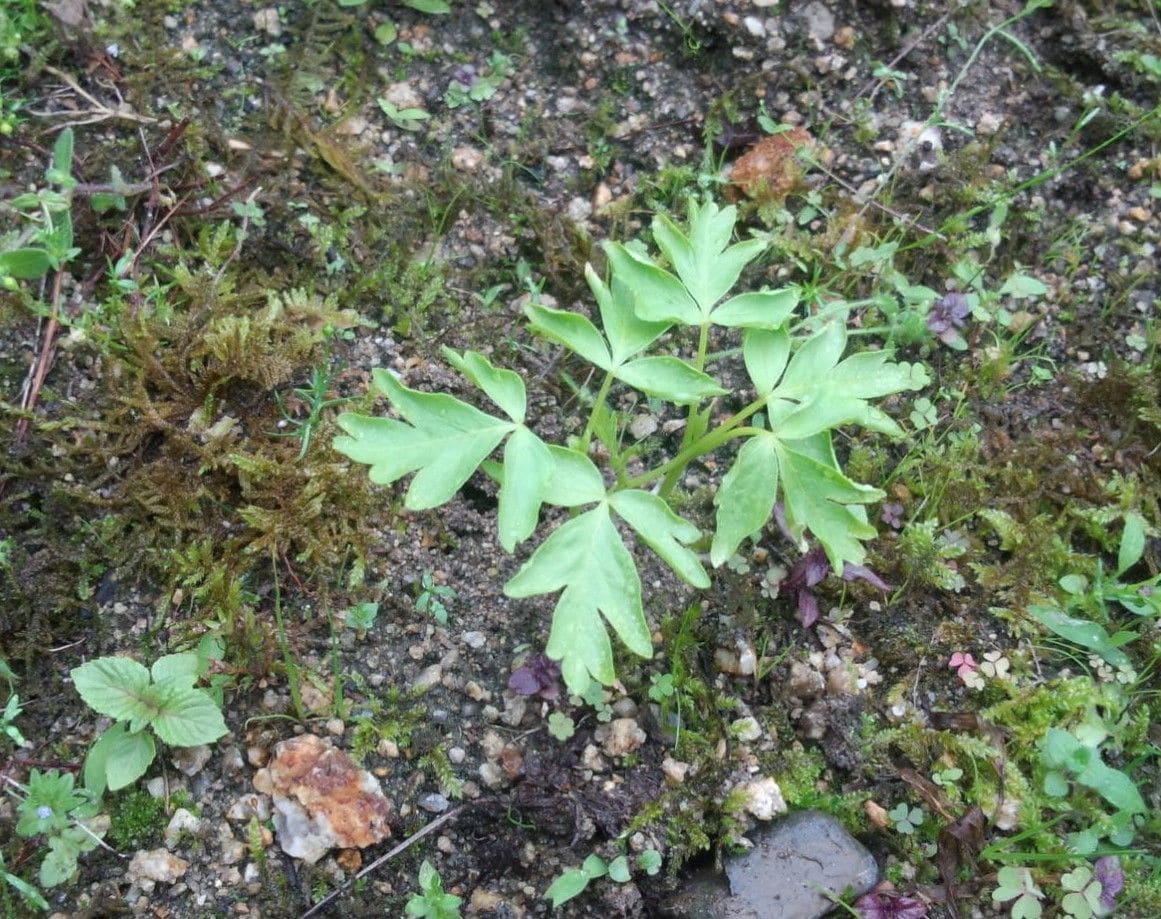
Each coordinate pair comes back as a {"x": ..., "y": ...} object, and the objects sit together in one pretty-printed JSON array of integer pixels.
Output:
[{"x": 39, "y": 370}]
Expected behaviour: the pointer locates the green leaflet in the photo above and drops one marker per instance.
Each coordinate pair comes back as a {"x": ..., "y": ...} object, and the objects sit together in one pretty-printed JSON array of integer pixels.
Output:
[
  {"x": 746, "y": 496},
  {"x": 657, "y": 295},
  {"x": 663, "y": 531},
  {"x": 585, "y": 559},
  {"x": 503, "y": 387},
  {"x": 527, "y": 470},
  {"x": 669, "y": 378}
]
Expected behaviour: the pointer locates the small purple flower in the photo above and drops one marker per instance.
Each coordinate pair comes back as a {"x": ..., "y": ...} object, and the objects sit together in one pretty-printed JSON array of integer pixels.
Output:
[
  {"x": 539, "y": 676},
  {"x": 892, "y": 515},
  {"x": 947, "y": 316},
  {"x": 464, "y": 76},
  {"x": 1108, "y": 871}
]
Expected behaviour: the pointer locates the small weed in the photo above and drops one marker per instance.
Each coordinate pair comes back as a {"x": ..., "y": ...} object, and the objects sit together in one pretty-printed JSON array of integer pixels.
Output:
[
  {"x": 432, "y": 902},
  {"x": 432, "y": 598}
]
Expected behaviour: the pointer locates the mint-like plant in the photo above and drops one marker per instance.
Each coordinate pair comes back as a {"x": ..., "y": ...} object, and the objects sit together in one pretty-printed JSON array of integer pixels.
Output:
[
  {"x": 800, "y": 389},
  {"x": 162, "y": 698}
]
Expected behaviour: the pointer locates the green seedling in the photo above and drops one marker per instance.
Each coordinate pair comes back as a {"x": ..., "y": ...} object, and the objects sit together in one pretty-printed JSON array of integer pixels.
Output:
[
  {"x": 162, "y": 698},
  {"x": 406, "y": 119},
  {"x": 53, "y": 809},
  {"x": 46, "y": 242},
  {"x": 573, "y": 882},
  {"x": 433, "y": 598},
  {"x": 561, "y": 726},
  {"x": 361, "y": 617},
  {"x": 431, "y": 902},
  {"x": 800, "y": 389},
  {"x": 27, "y": 892},
  {"x": 1016, "y": 885},
  {"x": 314, "y": 398},
  {"x": 12, "y": 710}
]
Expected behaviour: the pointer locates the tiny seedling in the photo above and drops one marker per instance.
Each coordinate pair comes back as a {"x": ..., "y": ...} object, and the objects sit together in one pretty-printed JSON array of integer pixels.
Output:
[
  {"x": 432, "y": 902},
  {"x": 28, "y": 893},
  {"x": 906, "y": 819},
  {"x": 361, "y": 617},
  {"x": 313, "y": 397},
  {"x": 1067, "y": 756},
  {"x": 406, "y": 119},
  {"x": 433, "y": 598},
  {"x": 12, "y": 710},
  {"x": 162, "y": 698},
  {"x": 574, "y": 881},
  {"x": 561, "y": 726}
]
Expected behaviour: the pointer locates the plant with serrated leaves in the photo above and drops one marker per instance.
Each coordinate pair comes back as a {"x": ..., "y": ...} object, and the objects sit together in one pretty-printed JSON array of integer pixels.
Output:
[
  {"x": 162, "y": 698},
  {"x": 801, "y": 388},
  {"x": 52, "y": 808},
  {"x": 432, "y": 902}
]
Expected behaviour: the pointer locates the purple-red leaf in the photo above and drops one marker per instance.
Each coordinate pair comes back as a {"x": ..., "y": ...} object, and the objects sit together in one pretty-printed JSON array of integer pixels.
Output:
[
  {"x": 539, "y": 676},
  {"x": 852, "y": 572},
  {"x": 890, "y": 906}
]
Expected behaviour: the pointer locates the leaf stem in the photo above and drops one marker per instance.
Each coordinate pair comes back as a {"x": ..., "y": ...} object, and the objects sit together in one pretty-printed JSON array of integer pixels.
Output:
[{"x": 598, "y": 406}]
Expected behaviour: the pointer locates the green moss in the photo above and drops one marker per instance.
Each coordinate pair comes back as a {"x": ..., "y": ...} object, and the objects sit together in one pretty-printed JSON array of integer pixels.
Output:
[{"x": 136, "y": 821}]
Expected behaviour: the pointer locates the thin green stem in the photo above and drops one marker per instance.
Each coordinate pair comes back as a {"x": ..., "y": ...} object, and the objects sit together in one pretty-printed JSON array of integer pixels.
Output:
[
  {"x": 598, "y": 406},
  {"x": 707, "y": 443},
  {"x": 283, "y": 644}
]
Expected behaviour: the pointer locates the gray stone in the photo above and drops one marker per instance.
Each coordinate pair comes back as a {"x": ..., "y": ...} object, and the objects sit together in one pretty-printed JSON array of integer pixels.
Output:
[
  {"x": 818, "y": 21},
  {"x": 783, "y": 875}
]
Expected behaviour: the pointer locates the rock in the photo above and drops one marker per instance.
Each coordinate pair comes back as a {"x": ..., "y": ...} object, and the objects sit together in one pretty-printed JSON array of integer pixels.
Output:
[
  {"x": 182, "y": 823},
  {"x": 770, "y": 170},
  {"x": 818, "y": 21},
  {"x": 191, "y": 760},
  {"x": 322, "y": 800},
  {"x": 764, "y": 799},
  {"x": 674, "y": 770},
  {"x": 402, "y": 95},
  {"x": 747, "y": 729},
  {"x": 783, "y": 876},
  {"x": 620, "y": 737},
  {"x": 434, "y": 803},
  {"x": 491, "y": 775},
  {"x": 474, "y": 640},
  {"x": 231, "y": 849},
  {"x": 155, "y": 866},
  {"x": 804, "y": 682},
  {"x": 247, "y": 806},
  {"x": 428, "y": 677},
  {"x": 642, "y": 426},
  {"x": 467, "y": 159},
  {"x": 266, "y": 20}
]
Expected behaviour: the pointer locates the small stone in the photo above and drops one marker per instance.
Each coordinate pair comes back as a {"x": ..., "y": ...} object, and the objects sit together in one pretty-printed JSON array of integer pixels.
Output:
[
  {"x": 818, "y": 21},
  {"x": 840, "y": 681},
  {"x": 754, "y": 26},
  {"x": 402, "y": 95},
  {"x": 467, "y": 159},
  {"x": 155, "y": 866},
  {"x": 642, "y": 426},
  {"x": 248, "y": 806},
  {"x": 592, "y": 760},
  {"x": 515, "y": 708},
  {"x": 1140, "y": 214},
  {"x": 491, "y": 775},
  {"x": 231, "y": 849},
  {"x": 474, "y": 640},
  {"x": 622, "y": 736},
  {"x": 625, "y": 708},
  {"x": 335, "y": 727},
  {"x": 428, "y": 678},
  {"x": 844, "y": 38},
  {"x": 317, "y": 701},
  {"x": 674, "y": 770},
  {"x": 578, "y": 210},
  {"x": 602, "y": 195},
  {"x": 747, "y": 729},
  {"x": 434, "y": 803},
  {"x": 804, "y": 682},
  {"x": 989, "y": 123},
  {"x": 476, "y": 692},
  {"x": 388, "y": 749},
  {"x": 764, "y": 799},
  {"x": 877, "y": 814},
  {"x": 266, "y": 20},
  {"x": 182, "y": 823},
  {"x": 191, "y": 760}
]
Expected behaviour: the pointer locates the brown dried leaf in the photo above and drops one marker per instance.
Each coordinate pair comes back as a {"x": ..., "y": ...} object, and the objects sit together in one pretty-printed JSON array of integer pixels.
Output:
[{"x": 770, "y": 169}]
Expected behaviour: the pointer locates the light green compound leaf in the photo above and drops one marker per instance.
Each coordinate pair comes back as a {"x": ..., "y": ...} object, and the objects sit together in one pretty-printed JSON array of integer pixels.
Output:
[
  {"x": 115, "y": 686},
  {"x": 1083, "y": 632},
  {"x": 575, "y": 479},
  {"x": 503, "y": 387},
  {"x": 663, "y": 531},
  {"x": 568, "y": 885},
  {"x": 763, "y": 309},
  {"x": 765, "y": 354},
  {"x": 628, "y": 333},
  {"x": 585, "y": 557},
  {"x": 188, "y": 718},
  {"x": 528, "y": 467},
  {"x": 669, "y": 378},
  {"x": 573, "y": 331},
  {"x": 445, "y": 442},
  {"x": 177, "y": 669},
  {"x": 656, "y": 294},
  {"x": 817, "y": 496},
  {"x": 746, "y": 496},
  {"x": 1132, "y": 542}
]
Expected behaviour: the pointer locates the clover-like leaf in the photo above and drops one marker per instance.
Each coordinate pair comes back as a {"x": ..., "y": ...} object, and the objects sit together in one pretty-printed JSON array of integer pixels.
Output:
[
  {"x": 443, "y": 443},
  {"x": 746, "y": 496},
  {"x": 663, "y": 531},
  {"x": 586, "y": 559}
]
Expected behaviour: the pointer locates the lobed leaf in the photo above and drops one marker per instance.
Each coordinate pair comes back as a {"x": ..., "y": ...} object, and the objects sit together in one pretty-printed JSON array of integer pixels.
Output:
[
  {"x": 575, "y": 479},
  {"x": 657, "y": 295},
  {"x": 586, "y": 559},
  {"x": 669, "y": 378},
  {"x": 527, "y": 470},
  {"x": 761, "y": 309},
  {"x": 504, "y": 387},
  {"x": 573, "y": 331},
  {"x": 628, "y": 333},
  {"x": 663, "y": 531},
  {"x": 443, "y": 444},
  {"x": 746, "y": 496}
]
